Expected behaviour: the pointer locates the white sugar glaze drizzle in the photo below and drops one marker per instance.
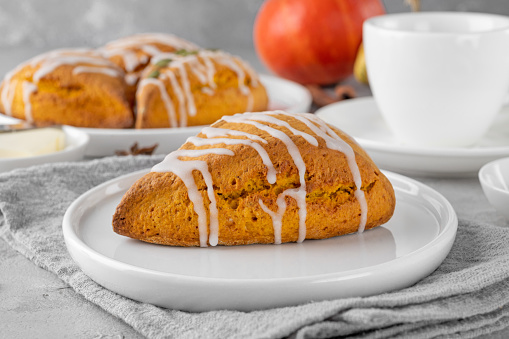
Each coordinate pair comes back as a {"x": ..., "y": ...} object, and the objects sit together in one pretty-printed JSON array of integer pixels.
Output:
[
  {"x": 179, "y": 93},
  {"x": 214, "y": 132},
  {"x": 131, "y": 61},
  {"x": 253, "y": 117},
  {"x": 164, "y": 97},
  {"x": 334, "y": 141},
  {"x": 28, "y": 89},
  {"x": 150, "y": 50},
  {"x": 200, "y": 70},
  {"x": 216, "y": 136},
  {"x": 132, "y": 78},
  {"x": 87, "y": 60},
  {"x": 271, "y": 171},
  {"x": 211, "y": 71},
  {"x": 8, "y": 92},
  {"x": 184, "y": 170},
  {"x": 191, "y": 107},
  {"x": 49, "y": 65},
  {"x": 202, "y": 66},
  {"x": 207, "y": 90},
  {"x": 299, "y": 194},
  {"x": 111, "y": 72}
]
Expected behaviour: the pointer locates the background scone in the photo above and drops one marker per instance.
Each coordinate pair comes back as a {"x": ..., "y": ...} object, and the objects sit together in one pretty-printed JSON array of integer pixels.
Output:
[
  {"x": 77, "y": 87},
  {"x": 181, "y": 85},
  {"x": 270, "y": 177},
  {"x": 133, "y": 53},
  {"x": 196, "y": 88}
]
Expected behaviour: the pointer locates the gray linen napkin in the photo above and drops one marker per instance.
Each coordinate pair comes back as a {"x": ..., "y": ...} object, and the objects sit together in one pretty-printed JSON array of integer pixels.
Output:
[{"x": 467, "y": 296}]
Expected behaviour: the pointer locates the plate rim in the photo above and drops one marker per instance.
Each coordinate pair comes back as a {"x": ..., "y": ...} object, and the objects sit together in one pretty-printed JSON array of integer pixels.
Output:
[
  {"x": 445, "y": 236},
  {"x": 474, "y": 152}
]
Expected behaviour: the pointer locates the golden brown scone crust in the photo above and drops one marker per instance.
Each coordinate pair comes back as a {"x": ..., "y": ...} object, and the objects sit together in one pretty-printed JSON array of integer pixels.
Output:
[
  {"x": 226, "y": 99},
  {"x": 62, "y": 96},
  {"x": 157, "y": 208}
]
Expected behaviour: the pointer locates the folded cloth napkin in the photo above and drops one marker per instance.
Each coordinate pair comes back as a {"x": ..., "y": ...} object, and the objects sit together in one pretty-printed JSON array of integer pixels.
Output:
[{"x": 468, "y": 295}]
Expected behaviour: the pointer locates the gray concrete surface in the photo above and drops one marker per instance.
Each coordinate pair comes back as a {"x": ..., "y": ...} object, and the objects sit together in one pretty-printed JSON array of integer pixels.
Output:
[{"x": 33, "y": 302}]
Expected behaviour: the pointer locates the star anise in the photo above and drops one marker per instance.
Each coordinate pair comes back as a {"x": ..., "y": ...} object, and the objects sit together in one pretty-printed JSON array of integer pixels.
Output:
[{"x": 135, "y": 150}]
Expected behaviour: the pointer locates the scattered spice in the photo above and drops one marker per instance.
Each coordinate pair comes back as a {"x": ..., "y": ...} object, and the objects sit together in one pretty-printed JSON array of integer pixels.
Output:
[
  {"x": 134, "y": 150},
  {"x": 344, "y": 92},
  {"x": 322, "y": 98}
]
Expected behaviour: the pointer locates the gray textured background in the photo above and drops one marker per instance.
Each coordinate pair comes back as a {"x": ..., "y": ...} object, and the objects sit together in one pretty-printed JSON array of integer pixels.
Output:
[{"x": 45, "y": 24}]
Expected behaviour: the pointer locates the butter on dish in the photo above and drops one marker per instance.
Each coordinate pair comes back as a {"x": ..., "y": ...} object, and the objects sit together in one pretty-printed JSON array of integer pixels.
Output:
[
  {"x": 269, "y": 177},
  {"x": 32, "y": 142}
]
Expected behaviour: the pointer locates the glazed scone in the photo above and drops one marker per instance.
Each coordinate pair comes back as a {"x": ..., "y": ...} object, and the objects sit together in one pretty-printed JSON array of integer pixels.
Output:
[
  {"x": 197, "y": 88},
  {"x": 77, "y": 87},
  {"x": 269, "y": 177},
  {"x": 133, "y": 53}
]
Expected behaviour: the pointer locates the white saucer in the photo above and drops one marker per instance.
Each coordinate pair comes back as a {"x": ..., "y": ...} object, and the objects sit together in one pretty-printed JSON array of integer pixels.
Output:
[
  {"x": 283, "y": 94},
  {"x": 75, "y": 144},
  {"x": 361, "y": 119},
  {"x": 400, "y": 253}
]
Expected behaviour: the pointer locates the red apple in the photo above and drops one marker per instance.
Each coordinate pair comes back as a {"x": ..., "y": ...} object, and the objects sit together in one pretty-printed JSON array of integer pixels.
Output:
[{"x": 312, "y": 41}]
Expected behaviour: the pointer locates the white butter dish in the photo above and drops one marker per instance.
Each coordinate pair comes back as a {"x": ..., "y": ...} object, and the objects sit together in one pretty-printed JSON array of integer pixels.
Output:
[{"x": 25, "y": 153}]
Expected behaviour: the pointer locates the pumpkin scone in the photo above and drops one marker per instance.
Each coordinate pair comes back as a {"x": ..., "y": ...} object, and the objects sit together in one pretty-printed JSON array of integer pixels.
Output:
[
  {"x": 133, "y": 53},
  {"x": 269, "y": 177},
  {"x": 197, "y": 88},
  {"x": 77, "y": 87}
]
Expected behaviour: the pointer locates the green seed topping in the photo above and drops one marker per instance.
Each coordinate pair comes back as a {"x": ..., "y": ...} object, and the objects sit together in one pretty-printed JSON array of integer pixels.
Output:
[
  {"x": 162, "y": 63},
  {"x": 154, "y": 74},
  {"x": 185, "y": 52}
]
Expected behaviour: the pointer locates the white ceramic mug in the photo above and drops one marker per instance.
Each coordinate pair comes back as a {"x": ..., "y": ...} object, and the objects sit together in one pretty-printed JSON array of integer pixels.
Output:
[{"x": 438, "y": 78}]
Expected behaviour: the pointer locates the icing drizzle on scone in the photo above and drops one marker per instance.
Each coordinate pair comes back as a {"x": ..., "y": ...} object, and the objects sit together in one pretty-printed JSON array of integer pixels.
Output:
[
  {"x": 202, "y": 65},
  {"x": 136, "y": 50},
  {"x": 262, "y": 121}
]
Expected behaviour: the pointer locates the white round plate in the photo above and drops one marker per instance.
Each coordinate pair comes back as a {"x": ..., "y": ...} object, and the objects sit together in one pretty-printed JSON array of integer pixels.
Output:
[
  {"x": 393, "y": 256},
  {"x": 76, "y": 143},
  {"x": 362, "y": 119},
  {"x": 283, "y": 94}
]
